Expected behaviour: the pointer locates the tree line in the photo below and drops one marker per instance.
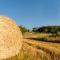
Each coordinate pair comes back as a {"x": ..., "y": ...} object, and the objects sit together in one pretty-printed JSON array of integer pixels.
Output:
[
  {"x": 47, "y": 29},
  {"x": 43, "y": 29}
]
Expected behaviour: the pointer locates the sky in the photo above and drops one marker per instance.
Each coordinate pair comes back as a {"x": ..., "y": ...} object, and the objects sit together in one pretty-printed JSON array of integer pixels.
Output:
[{"x": 32, "y": 13}]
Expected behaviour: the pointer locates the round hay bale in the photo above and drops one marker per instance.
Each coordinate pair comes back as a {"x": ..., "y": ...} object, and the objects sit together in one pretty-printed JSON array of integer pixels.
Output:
[{"x": 10, "y": 38}]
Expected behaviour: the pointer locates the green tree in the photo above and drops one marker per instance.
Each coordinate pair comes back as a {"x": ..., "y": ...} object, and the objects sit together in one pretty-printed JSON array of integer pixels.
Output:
[{"x": 23, "y": 29}]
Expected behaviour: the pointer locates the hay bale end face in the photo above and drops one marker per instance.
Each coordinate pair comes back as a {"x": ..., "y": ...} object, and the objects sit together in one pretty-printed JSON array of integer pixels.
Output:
[{"x": 10, "y": 38}]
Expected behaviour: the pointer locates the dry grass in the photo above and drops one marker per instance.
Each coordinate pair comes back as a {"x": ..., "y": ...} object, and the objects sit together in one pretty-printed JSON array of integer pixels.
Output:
[
  {"x": 35, "y": 35},
  {"x": 38, "y": 50},
  {"x": 42, "y": 37}
]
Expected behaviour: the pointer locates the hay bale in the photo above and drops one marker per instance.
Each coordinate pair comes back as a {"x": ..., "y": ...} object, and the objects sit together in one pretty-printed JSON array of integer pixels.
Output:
[{"x": 10, "y": 38}]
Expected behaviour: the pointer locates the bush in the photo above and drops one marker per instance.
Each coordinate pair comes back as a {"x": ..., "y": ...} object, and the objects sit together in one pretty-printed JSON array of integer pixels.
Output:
[{"x": 23, "y": 29}]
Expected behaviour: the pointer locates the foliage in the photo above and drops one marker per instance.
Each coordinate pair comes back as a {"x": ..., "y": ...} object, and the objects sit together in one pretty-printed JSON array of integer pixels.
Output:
[
  {"x": 47, "y": 29},
  {"x": 23, "y": 29}
]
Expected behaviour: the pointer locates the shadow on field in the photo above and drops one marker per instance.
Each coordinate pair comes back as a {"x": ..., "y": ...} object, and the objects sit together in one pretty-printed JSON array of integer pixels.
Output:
[{"x": 45, "y": 40}]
